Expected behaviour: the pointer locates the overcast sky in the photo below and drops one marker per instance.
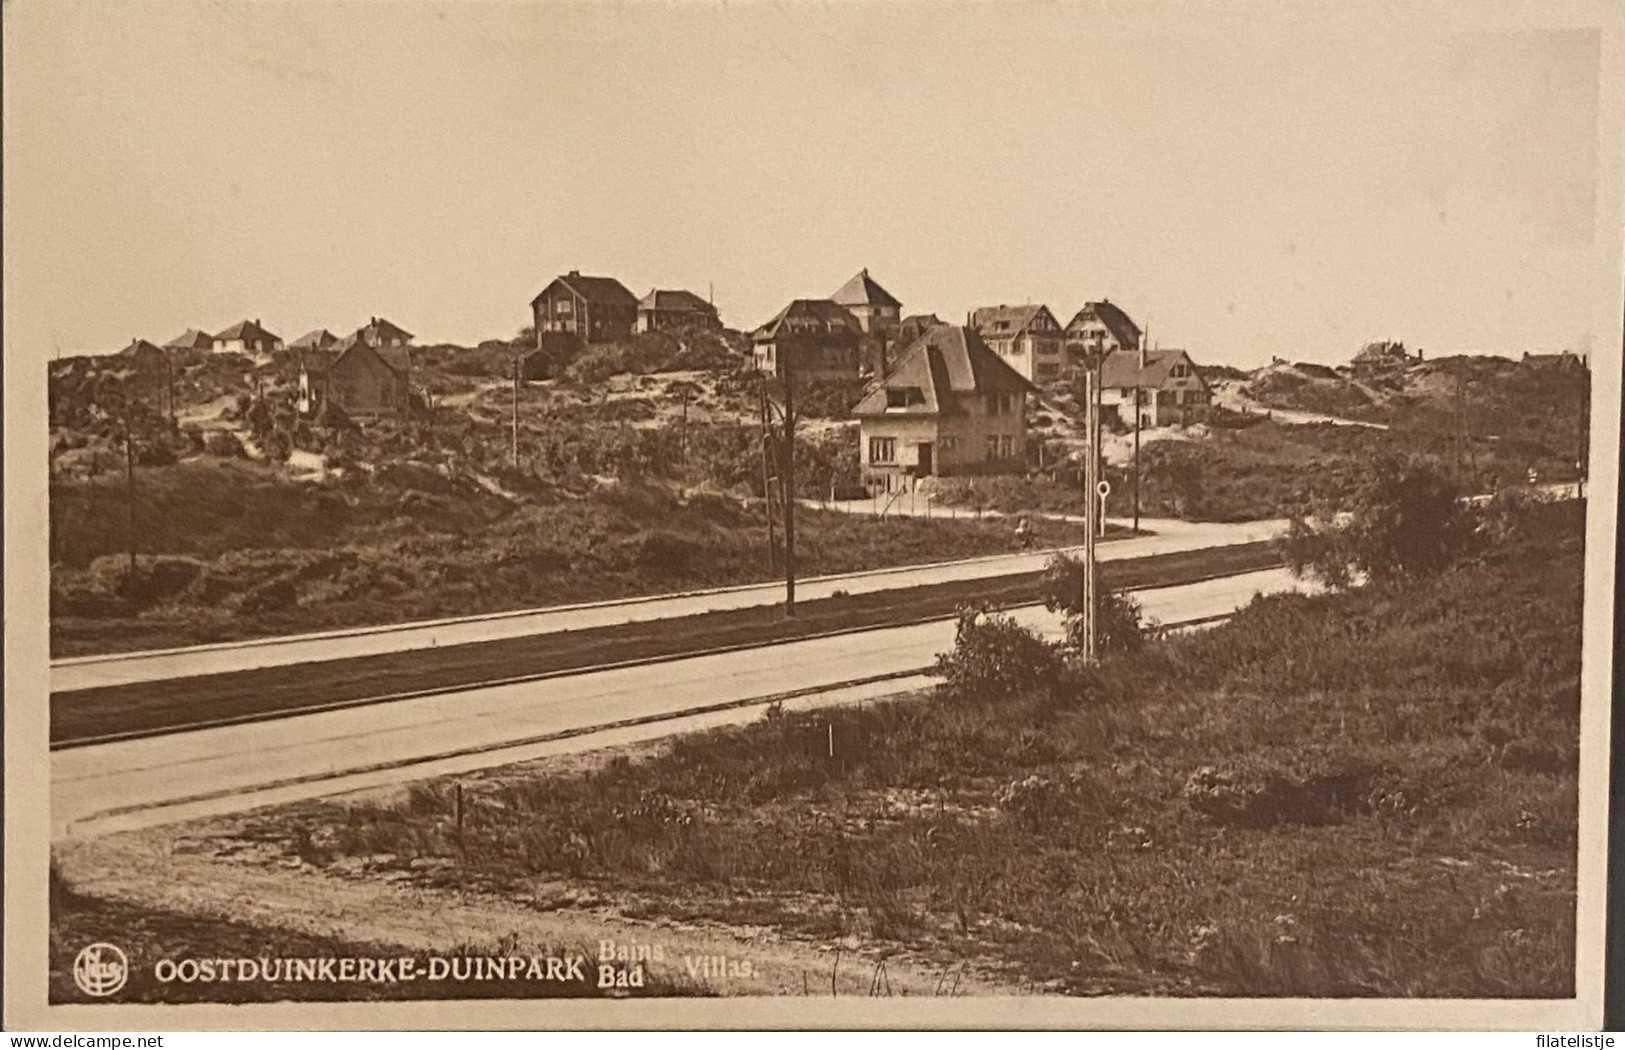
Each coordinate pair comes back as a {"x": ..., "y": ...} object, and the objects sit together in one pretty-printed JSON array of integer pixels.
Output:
[{"x": 1278, "y": 180}]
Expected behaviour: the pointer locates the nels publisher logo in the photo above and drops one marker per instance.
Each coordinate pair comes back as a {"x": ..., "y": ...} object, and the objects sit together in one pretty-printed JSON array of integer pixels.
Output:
[{"x": 100, "y": 969}]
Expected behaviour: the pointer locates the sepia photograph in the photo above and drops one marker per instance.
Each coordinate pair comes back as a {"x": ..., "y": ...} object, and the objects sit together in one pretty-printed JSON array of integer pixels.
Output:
[{"x": 892, "y": 514}]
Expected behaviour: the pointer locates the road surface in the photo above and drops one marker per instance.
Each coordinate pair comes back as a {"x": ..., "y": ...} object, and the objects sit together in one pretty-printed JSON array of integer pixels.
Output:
[
  {"x": 88, "y": 672},
  {"x": 107, "y": 787}
]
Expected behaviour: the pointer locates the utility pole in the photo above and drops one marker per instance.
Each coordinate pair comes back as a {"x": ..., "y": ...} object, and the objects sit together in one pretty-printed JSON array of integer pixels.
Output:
[
  {"x": 788, "y": 487},
  {"x": 129, "y": 492},
  {"x": 514, "y": 427},
  {"x": 767, "y": 473},
  {"x": 1091, "y": 504},
  {"x": 1136, "y": 458}
]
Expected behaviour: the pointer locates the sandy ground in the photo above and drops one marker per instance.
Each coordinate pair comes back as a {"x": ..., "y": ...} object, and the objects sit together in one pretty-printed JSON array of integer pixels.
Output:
[{"x": 202, "y": 870}]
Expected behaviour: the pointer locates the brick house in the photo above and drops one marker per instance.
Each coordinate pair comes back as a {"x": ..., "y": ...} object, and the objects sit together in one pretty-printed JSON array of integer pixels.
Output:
[
  {"x": 1169, "y": 389},
  {"x": 246, "y": 337},
  {"x": 819, "y": 337},
  {"x": 584, "y": 310},
  {"x": 675, "y": 308},
  {"x": 1097, "y": 330},
  {"x": 949, "y": 405},
  {"x": 361, "y": 379},
  {"x": 1028, "y": 338}
]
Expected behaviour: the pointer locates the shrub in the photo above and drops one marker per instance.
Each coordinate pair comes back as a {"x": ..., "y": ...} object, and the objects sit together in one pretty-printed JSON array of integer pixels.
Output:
[
  {"x": 995, "y": 657},
  {"x": 1045, "y": 804},
  {"x": 1121, "y": 626},
  {"x": 1406, "y": 520},
  {"x": 224, "y": 444}
]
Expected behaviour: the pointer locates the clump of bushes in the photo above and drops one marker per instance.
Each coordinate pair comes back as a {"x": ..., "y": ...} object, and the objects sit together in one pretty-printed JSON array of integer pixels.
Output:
[{"x": 994, "y": 656}]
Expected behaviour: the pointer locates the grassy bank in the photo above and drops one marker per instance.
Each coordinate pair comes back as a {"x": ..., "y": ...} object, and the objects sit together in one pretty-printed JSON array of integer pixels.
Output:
[
  {"x": 231, "y": 550},
  {"x": 1360, "y": 794},
  {"x": 1260, "y": 469}
]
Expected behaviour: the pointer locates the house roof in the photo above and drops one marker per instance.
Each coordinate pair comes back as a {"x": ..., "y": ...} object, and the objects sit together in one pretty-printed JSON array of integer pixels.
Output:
[
  {"x": 675, "y": 299},
  {"x": 602, "y": 290},
  {"x": 190, "y": 339},
  {"x": 863, "y": 290},
  {"x": 398, "y": 358},
  {"x": 245, "y": 330},
  {"x": 1121, "y": 369},
  {"x": 945, "y": 361},
  {"x": 1381, "y": 351},
  {"x": 383, "y": 329},
  {"x": 142, "y": 348},
  {"x": 1116, "y": 320},
  {"x": 916, "y": 325},
  {"x": 832, "y": 315},
  {"x": 320, "y": 339},
  {"x": 1015, "y": 318}
]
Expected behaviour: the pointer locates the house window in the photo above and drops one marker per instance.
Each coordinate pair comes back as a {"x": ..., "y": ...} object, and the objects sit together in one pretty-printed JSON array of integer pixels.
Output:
[
  {"x": 882, "y": 450},
  {"x": 562, "y": 306},
  {"x": 949, "y": 443},
  {"x": 992, "y": 447},
  {"x": 903, "y": 397},
  {"x": 1007, "y": 446}
]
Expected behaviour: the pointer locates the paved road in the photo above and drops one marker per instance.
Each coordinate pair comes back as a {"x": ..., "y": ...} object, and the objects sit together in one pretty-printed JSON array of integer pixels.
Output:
[
  {"x": 184, "y": 775},
  {"x": 155, "y": 665}
]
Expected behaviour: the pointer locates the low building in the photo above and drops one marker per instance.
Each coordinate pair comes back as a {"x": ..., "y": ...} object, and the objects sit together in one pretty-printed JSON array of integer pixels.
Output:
[
  {"x": 321, "y": 339},
  {"x": 876, "y": 309},
  {"x": 360, "y": 379},
  {"x": 1164, "y": 387},
  {"x": 818, "y": 338},
  {"x": 1097, "y": 330},
  {"x": 379, "y": 334},
  {"x": 1567, "y": 361},
  {"x": 1382, "y": 358},
  {"x": 191, "y": 339},
  {"x": 246, "y": 337},
  {"x": 145, "y": 353},
  {"x": 1028, "y": 338},
  {"x": 949, "y": 405},
  {"x": 675, "y": 308},
  {"x": 584, "y": 309}
]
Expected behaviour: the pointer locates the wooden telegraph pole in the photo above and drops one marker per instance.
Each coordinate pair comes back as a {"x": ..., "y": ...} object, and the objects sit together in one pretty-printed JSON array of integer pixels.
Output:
[
  {"x": 514, "y": 422},
  {"x": 767, "y": 472},
  {"x": 1136, "y": 457},
  {"x": 788, "y": 486},
  {"x": 1091, "y": 511},
  {"x": 129, "y": 491}
]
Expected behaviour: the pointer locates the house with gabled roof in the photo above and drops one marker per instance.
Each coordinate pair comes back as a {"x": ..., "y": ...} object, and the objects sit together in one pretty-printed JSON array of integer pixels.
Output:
[
  {"x": 191, "y": 339},
  {"x": 876, "y": 309},
  {"x": 246, "y": 337},
  {"x": 378, "y": 333},
  {"x": 1028, "y": 337},
  {"x": 948, "y": 405},
  {"x": 1098, "y": 329},
  {"x": 1164, "y": 387},
  {"x": 815, "y": 338},
  {"x": 584, "y": 309},
  {"x": 320, "y": 339},
  {"x": 360, "y": 379},
  {"x": 675, "y": 308}
]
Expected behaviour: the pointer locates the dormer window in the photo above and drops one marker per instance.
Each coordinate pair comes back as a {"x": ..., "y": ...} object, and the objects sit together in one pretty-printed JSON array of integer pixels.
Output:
[{"x": 904, "y": 397}]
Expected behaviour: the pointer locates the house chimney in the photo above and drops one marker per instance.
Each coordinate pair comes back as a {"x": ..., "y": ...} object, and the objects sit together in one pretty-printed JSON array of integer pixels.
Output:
[
  {"x": 256, "y": 322},
  {"x": 575, "y": 273}
]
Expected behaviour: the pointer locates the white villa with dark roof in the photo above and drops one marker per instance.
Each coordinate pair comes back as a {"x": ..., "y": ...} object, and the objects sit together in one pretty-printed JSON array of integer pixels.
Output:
[
  {"x": 1027, "y": 337},
  {"x": 1164, "y": 386},
  {"x": 949, "y": 405},
  {"x": 246, "y": 337}
]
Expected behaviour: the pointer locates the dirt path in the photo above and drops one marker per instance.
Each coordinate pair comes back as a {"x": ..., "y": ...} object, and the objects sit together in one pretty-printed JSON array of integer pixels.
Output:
[{"x": 182, "y": 870}]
